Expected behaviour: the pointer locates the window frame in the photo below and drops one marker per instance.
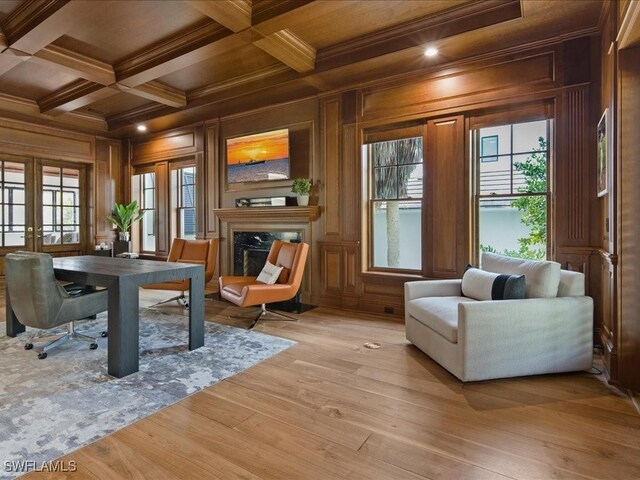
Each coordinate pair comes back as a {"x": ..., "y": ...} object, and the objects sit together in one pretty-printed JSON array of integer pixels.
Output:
[
  {"x": 177, "y": 206},
  {"x": 390, "y": 133},
  {"x": 476, "y": 160}
]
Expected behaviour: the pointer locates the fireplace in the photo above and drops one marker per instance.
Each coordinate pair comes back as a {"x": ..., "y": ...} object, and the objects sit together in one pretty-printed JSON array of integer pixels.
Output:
[
  {"x": 246, "y": 235},
  {"x": 250, "y": 249}
]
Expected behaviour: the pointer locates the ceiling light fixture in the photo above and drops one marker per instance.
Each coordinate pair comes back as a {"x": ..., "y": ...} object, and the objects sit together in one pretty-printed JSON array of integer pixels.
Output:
[
  {"x": 141, "y": 128},
  {"x": 431, "y": 52}
]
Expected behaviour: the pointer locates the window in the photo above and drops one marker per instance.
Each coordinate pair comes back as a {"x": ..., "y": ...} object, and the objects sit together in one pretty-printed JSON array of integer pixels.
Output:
[
  {"x": 12, "y": 214},
  {"x": 512, "y": 194},
  {"x": 395, "y": 203},
  {"x": 60, "y": 205},
  {"x": 184, "y": 182},
  {"x": 148, "y": 206}
]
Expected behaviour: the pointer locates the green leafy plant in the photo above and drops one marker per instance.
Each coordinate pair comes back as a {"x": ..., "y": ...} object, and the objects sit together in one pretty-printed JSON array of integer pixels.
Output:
[
  {"x": 301, "y": 186},
  {"x": 124, "y": 216}
]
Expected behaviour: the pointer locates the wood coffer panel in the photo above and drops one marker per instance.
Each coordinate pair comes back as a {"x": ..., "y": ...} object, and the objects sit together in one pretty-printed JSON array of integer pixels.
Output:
[{"x": 447, "y": 229}]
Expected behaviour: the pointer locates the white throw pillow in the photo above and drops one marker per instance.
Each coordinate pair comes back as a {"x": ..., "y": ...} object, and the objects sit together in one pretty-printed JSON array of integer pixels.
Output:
[
  {"x": 543, "y": 278},
  {"x": 269, "y": 274}
]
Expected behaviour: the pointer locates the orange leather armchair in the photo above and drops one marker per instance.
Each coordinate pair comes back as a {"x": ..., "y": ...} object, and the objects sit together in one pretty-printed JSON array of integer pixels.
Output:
[
  {"x": 246, "y": 292},
  {"x": 198, "y": 252}
]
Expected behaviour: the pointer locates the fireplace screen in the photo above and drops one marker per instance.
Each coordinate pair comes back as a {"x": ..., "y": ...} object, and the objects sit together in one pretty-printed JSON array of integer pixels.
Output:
[{"x": 250, "y": 249}]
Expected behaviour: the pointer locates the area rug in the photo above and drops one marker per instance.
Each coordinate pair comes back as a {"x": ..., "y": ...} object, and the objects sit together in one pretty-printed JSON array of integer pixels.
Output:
[{"x": 48, "y": 408}]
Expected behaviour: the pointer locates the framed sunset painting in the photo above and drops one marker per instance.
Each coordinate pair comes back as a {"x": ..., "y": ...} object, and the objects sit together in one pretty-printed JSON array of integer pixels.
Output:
[{"x": 258, "y": 157}]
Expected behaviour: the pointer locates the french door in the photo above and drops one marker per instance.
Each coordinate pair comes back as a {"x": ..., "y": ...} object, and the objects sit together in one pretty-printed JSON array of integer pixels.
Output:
[{"x": 43, "y": 206}]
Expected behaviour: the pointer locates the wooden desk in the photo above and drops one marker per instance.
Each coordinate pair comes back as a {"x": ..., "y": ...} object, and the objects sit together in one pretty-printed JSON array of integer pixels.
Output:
[{"x": 122, "y": 277}]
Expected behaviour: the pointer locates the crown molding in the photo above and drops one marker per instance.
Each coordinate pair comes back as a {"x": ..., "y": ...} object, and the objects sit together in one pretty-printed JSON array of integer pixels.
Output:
[
  {"x": 456, "y": 20},
  {"x": 28, "y": 110},
  {"x": 263, "y": 74}
]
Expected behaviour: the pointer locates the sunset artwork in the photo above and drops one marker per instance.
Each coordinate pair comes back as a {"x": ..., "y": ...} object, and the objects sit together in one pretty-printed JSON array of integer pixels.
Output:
[{"x": 258, "y": 157}]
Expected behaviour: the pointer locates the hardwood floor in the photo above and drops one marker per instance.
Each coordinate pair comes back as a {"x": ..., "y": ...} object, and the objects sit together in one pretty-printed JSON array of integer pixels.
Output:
[{"x": 329, "y": 408}]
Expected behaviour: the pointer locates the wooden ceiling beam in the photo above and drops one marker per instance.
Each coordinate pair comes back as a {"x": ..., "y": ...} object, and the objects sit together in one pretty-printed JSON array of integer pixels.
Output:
[
  {"x": 79, "y": 94},
  {"x": 419, "y": 32},
  {"x": 35, "y": 24},
  {"x": 252, "y": 82},
  {"x": 190, "y": 47},
  {"x": 232, "y": 14},
  {"x": 158, "y": 92},
  {"x": 263, "y": 10},
  {"x": 289, "y": 49},
  {"x": 76, "y": 64}
]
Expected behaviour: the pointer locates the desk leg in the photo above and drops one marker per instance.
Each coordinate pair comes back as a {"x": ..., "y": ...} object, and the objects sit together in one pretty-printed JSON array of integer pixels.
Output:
[
  {"x": 14, "y": 327},
  {"x": 196, "y": 310},
  {"x": 123, "y": 328}
]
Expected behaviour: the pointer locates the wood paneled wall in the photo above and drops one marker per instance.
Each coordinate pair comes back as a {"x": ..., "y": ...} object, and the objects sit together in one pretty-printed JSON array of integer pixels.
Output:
[
  {"x": 619, "y": 254},
  {"x": 327, "y": 135}
]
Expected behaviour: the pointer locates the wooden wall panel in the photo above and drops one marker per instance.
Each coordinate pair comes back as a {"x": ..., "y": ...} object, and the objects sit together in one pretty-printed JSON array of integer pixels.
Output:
[
  {"x": 108, "y": 186},
  {"x": 572, "y": 186},
  {"x": 447, "y": 194},
  {"x": 628, "y": 201},
  {"x": 211, "y": 185},
  {"x": 330, "y": 128},
  {"x": 162, "y": 209},
  {"x": 44, "y": 142},
  {"x": 350, "y": 184},
  {"x": 331, "y": 268},
  {"x": 519, "y": 73},
  {"x": 175, "y": 143}
]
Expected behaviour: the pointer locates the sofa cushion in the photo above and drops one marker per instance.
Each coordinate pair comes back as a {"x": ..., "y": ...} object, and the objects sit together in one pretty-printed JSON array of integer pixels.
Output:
[
  {"x": 543, "y": 278},
  {"x": 438, "y": 313},
  {"x": 482, "y": 285}
]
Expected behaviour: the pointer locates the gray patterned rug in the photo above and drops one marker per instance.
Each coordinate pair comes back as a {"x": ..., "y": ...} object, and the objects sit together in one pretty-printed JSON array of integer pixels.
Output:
[{"x": 51, "y": 407}]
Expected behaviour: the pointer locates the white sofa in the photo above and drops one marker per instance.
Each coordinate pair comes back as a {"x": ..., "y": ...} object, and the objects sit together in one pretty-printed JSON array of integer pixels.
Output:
[{"x": 480, "y": 340}]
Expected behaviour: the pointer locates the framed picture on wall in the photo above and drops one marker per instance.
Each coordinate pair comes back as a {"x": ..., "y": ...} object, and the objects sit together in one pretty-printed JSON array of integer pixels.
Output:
[
  {"x": 602, "y": 156},
  {"x": 258, "y": 157}
]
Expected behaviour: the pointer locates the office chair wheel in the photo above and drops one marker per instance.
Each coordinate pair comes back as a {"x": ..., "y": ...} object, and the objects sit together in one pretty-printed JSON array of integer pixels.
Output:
[
  {"x": 42, "y": 355},
  {"x": 93, "y": 346},
  {"x": 28, "y": 346},
  {"x": 104, "y": 334}
]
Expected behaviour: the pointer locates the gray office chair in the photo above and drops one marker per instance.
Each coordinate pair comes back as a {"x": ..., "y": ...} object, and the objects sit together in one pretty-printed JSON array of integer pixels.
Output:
[{"x": 39, "y": 301}]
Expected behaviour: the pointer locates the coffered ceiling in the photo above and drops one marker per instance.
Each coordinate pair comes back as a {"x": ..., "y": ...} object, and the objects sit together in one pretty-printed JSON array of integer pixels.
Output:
[{"x": 105, "y": 66}]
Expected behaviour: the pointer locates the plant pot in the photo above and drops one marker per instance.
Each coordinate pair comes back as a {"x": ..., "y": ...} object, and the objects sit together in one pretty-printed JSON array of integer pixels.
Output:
[
  {"x": 123, "y": 236},
  {"x": 303, "y": 200}
]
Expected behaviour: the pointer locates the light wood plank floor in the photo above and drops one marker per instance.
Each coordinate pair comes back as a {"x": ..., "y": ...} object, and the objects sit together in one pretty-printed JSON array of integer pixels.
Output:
[{"x": 329, "y": 408}]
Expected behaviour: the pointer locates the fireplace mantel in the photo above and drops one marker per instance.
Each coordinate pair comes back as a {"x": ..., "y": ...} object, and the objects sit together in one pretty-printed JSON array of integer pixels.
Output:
[{"x": 259, "y": 214}]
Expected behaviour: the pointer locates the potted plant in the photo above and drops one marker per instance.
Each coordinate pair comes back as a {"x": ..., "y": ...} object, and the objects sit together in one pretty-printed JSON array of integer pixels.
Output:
[
  {"x": 301, "y": 187},
  {"x": 123, "y": 217}
]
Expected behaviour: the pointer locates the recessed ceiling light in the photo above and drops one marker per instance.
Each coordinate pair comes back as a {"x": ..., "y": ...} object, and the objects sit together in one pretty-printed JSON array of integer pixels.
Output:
[
  {"x": 141, "y": 128},
  {"x": 431, "y": 52}
]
